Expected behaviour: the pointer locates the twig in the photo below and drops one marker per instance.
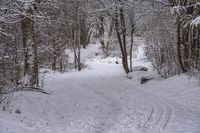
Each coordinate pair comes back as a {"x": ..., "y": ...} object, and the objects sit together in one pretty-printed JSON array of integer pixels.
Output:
[{"x": 26, "y": 88}]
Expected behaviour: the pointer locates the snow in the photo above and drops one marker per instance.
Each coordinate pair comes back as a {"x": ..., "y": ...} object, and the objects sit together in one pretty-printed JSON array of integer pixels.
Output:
[
  {"x": 102, "y": 100},
  {"x": 85, "y": 53},
  {"x": 196, "y": 21},
  {"x": 179, "y": 10}
]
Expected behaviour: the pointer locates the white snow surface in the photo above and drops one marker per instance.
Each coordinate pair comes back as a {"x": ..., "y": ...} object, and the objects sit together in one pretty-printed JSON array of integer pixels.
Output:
[{"x": 102, "y": 100}]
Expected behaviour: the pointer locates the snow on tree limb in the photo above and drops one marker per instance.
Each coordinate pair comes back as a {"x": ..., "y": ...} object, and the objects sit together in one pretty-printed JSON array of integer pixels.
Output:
[{"x": 196, "y": 22}]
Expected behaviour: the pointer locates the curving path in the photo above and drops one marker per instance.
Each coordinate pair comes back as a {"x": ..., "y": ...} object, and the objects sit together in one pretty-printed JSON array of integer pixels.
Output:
[{"x": 102, "y": 100}]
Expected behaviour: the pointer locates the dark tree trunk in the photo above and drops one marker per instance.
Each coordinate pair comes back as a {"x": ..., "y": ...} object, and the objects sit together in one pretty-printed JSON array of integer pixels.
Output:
[
  {"x": 54, "y": 57},
  {"x": 179, "y": 56},
  {"x": 131, "y": 52},
  {"x": 122, "y": 37}
]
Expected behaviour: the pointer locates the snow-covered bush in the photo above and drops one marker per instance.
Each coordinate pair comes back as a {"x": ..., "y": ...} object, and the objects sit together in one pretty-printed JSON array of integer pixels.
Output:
[
  {"x": 173, "y": 36},
  {"x": 160, "y": 41}
]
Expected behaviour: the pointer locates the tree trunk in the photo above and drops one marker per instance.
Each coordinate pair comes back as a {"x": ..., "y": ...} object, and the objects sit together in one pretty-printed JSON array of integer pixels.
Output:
[
  {"x": 123, "y": 29},
  {"x": 122, "y": 38},
  {"x": 54, "y": 57},
  {"x": 131, "y": 52},
  {"x": 30, "y": 60},
  {"x": 179, "y": 56}
]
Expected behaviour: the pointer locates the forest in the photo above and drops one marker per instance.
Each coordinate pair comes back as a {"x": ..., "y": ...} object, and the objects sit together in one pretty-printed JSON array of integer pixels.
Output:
[{"x": 38, "y": 37}]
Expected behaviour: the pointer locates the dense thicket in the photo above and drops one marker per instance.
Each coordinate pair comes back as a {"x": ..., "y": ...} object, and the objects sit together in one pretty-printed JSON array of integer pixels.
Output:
[
  {"x": 172, "y": 37},
  {"x": 35, "y": 34}
]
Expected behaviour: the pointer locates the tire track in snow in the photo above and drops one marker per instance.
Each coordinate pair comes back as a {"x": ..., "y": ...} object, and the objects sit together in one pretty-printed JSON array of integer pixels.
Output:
[
  {"x": 160, "y": 113},
  {"x": 170, "y": 115},
  {"x": 134, "y": 108}
]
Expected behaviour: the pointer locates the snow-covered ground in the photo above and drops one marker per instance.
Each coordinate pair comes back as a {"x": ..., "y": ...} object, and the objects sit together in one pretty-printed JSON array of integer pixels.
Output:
[{"x": 102, "y": 100}]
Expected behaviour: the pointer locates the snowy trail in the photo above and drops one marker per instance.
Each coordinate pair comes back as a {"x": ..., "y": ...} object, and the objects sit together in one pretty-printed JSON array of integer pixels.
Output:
[
  {"x": 102, "y": 100},
  {"x": 117, "y": 105}
]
